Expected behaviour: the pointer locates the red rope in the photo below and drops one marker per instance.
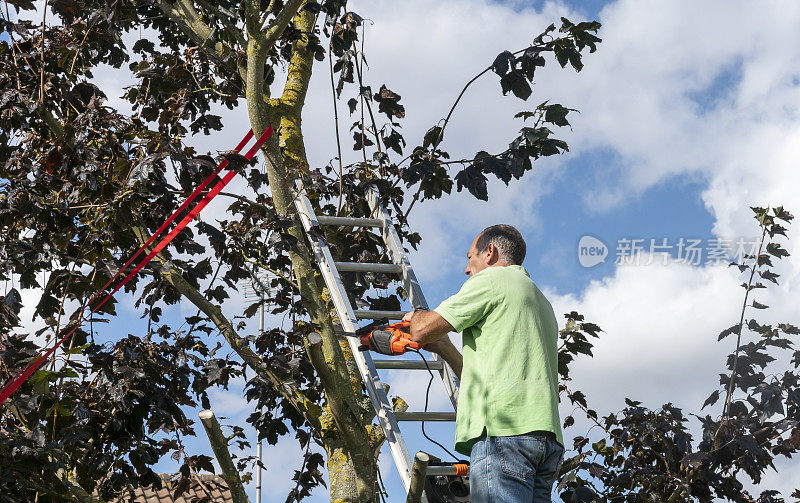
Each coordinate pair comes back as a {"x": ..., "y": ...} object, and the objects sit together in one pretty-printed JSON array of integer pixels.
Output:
[{"x": 24, "y": 374}]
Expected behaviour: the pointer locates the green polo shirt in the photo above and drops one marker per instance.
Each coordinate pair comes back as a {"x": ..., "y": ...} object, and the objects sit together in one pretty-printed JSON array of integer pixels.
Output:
[{"x": 509, "y": 383}]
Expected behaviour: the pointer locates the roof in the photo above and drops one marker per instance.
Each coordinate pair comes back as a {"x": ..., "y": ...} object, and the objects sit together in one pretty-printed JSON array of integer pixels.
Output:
[{"x": 211, "y": 487}]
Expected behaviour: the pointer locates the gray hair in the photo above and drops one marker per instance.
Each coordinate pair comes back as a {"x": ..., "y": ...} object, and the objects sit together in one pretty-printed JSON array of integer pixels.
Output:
[{"x": 506, "y": 239}]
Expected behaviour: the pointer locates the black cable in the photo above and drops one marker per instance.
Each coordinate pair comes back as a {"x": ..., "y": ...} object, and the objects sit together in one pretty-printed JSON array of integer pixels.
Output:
[
  {"x": 427, "y": 395},
  {"x": 381, "y": 486}
]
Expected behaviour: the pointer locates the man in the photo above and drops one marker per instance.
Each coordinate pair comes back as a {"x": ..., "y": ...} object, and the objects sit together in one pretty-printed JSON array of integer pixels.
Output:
[{"x": 507, "y": 419}]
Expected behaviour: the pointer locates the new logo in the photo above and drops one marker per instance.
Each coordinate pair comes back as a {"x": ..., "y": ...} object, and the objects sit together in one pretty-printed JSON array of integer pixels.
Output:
[{"x": 591, "y": 251}]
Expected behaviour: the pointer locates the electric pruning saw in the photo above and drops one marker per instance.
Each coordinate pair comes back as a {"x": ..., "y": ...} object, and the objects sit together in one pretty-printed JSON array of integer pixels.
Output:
[{"x": 386, "y": 339}]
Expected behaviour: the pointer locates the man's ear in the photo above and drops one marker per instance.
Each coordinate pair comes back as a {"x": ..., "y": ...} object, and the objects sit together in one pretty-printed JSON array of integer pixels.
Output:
[{"x": 492, "y": 255}]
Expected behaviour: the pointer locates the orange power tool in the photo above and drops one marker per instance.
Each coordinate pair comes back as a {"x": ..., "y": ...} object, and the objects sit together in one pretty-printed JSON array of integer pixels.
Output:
[{"x": 386, "y": 339}]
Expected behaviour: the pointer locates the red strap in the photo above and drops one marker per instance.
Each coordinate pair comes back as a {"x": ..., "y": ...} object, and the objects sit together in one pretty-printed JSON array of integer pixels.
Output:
[
  {"x": 172, "y": 217},
  {"x": 188, "y": 218},
  {"x": 22, "y": 376}
]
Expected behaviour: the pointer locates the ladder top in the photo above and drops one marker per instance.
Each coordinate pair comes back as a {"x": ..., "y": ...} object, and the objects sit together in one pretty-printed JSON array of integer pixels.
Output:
[{"x": 368, "y": 267}]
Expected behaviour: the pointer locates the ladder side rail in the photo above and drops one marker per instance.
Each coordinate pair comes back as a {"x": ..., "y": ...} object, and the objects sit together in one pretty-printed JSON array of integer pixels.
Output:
[
  {"x": 411, "y": 284},
  {"x": 369, "y": 374}
]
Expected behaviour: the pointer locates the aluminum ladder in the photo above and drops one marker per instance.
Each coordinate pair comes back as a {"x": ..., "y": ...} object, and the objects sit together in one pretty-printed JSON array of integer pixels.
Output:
[{"x": 350, "y": 317}]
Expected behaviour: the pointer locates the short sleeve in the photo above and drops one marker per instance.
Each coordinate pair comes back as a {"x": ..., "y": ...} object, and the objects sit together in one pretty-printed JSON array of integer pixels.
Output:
[{"x": 470, "y": 305}]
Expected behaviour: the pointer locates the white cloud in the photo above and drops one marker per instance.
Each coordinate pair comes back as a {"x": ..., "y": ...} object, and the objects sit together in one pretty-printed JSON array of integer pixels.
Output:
[
  {"x": 660, "y": 339},
  {"x": 637, "y": 96}
]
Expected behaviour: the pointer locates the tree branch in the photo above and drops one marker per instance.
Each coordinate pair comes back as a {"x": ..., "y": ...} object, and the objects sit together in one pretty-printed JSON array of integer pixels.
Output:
[
  {"x": 183, "y": 13},
  {"x": 309, "y": 410},
  {"x": 340, "y": 386},
  {"x": 418, "y": 471},
  {"x": 52, "y": 123},
  {"x": 464, "y": 89},
  {"x": 275, "y": 29},
  {"x": 259, "y": 43},
  {"x": 285, "y": 158},
  {"x": 235, "y": 31},
  {"x": 219, "y": 445},
  {"x": 188, "y": 18},
  {"x": 299, "y": 75},
  {"x": 732, "y": 380}
]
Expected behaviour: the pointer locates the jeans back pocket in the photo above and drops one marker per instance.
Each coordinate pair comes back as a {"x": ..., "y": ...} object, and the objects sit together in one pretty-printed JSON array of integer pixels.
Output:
[{"x": 520, "y": 455}]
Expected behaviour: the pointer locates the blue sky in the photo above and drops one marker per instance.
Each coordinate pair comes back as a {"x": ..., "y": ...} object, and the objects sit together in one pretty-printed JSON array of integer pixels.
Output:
[
  {"x": 682, "y": 127},
  {"x": 673, "y": 210}
]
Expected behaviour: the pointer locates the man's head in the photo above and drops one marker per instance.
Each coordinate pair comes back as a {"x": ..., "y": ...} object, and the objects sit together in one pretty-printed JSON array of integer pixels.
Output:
[{"x": 498, "y": 245}]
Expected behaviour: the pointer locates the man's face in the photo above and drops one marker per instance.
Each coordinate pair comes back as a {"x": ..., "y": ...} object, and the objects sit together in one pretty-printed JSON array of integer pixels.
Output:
[{"x": 476, "y": 262}]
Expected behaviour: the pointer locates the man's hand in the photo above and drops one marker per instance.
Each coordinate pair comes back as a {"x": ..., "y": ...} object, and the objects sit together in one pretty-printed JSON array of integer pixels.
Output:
[{"x": 407, "y": 317}]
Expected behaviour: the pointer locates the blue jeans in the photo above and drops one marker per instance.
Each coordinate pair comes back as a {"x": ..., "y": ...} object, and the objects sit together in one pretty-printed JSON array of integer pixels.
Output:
[{"x": 518, "y": 469}]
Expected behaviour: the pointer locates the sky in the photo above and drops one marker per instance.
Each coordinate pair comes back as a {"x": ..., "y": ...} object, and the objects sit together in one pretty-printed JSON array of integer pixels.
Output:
[{"x": 688, "y": 116}]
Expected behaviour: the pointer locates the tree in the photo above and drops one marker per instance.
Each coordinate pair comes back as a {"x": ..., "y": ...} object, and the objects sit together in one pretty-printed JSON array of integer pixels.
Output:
[{"x": 83, "y": 186}]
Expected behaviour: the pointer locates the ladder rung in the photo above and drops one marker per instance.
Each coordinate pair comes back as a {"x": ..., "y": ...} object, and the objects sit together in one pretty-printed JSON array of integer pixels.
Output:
[
  {"x": 349, "y": 221},
  {"x": 376, "y": 315},
  {"x": 368, "y": 267},
  {"x": 407, "y": 364},
  {"x": 440, "y": 470},
  {"x": 425, "y": 416}
]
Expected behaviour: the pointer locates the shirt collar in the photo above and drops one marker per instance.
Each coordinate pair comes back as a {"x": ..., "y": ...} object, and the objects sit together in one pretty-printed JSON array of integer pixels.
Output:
[{"x": 513, "y": 266}]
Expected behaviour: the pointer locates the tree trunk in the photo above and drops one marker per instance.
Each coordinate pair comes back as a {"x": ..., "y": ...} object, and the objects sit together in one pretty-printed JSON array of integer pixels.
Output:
[
  {"x": 348, "y": 480},
  {"x": 350, "y": 440}
]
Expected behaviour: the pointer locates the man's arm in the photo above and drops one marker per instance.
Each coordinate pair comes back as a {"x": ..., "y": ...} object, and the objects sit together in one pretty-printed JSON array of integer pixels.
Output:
[
  {"x": 429, "y": 329},
  {"x": 470, "y": 305},
  {"x": 427, "y": 326}
]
